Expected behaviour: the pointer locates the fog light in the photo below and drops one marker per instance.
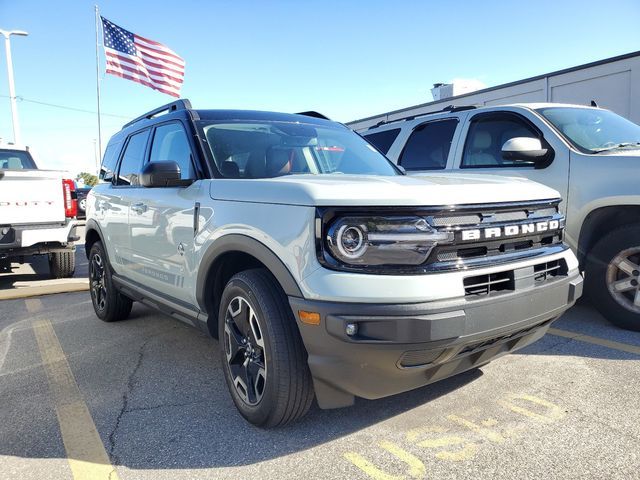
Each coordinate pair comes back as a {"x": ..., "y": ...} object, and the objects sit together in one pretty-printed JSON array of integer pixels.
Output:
[
  {"x": 5, "y": 230},
  {"x": 351, "y": 329}
]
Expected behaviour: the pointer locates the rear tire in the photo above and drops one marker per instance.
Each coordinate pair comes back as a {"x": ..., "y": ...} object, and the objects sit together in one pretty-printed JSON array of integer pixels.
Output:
[
  {"x": 109, "y": 304},
  {"x": 263, "y": 357},
  {"x": 62, "y": 264},
  {"x": 612, "y": 278}
]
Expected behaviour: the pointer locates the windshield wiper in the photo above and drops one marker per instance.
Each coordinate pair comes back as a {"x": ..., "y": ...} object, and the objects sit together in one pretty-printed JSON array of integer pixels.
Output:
[{"x": 615, "y": 147}]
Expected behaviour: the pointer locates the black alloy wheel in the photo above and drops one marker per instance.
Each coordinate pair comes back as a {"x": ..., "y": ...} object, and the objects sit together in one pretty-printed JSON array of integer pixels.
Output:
[{"x": 245, "y": 351}]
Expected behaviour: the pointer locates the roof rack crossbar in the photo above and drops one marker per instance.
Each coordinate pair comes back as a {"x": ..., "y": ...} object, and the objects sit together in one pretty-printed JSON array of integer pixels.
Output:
[
  {"x": 313, "y": 114},
  {"x": 182, "y": 104}
]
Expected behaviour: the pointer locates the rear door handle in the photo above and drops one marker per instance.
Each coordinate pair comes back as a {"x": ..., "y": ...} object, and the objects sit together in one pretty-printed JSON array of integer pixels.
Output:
[{"x": 139, "y": 208}]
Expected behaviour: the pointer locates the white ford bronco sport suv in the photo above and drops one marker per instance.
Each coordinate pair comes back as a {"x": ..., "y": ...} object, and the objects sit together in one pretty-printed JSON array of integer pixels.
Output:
[
  {"x": 322, "y": 269},
  {"x": 590, "y": 155}
]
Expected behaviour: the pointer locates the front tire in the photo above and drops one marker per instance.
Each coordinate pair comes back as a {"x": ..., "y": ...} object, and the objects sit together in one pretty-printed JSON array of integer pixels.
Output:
[
  {"x": 613, "y": 277},
  {"x": 62, "y": 264},
  {"x": 109, "y": 304},
  {"x": 264, "y": 360}
]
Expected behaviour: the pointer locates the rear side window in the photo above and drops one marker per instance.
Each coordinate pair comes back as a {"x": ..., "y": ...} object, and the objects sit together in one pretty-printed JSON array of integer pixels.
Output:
[
  {"x": 428, "y": 146},
  {"x": 109, "y": 161},
  {"x": 16, "y": 160},
  {"x": 131, "y": 163},
  {"x": 170, "y": 143},
  {"x": 383, "y": 140},
  {"x": 487, "y": 135}
]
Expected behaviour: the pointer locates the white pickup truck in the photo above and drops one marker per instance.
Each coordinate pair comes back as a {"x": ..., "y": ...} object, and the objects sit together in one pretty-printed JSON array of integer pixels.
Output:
[{"x": 37, "y": 213}]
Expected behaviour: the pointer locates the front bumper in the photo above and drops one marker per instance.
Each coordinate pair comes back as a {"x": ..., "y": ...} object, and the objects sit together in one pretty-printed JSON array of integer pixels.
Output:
[{"x": 400, "y": 347}]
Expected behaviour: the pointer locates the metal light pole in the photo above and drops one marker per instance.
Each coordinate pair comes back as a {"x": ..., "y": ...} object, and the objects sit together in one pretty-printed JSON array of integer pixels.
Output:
[{"x": 12, "y": 88}]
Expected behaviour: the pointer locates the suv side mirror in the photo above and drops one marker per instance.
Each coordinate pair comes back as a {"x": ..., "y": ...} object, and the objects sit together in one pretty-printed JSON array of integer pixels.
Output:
[
  {"x": 162, "y": 174},
  {"x": 524, "y": 149}
]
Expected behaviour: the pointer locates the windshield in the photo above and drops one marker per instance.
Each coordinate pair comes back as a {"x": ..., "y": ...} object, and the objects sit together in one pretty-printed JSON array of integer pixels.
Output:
[
  {"x": 593, "y": 130},
  {"x": 15, "y": 160},
  {"x": 266, "y": 149}
]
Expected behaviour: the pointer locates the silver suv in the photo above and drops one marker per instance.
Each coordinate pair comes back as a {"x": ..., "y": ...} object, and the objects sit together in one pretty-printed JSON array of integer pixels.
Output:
[
  {"x": 589, "y": 154},
  {"x": 322, "y": 268}
]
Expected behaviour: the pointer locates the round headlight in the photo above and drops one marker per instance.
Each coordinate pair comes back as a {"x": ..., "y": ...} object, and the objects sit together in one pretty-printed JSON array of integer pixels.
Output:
[{"x": 351, "y": 241}]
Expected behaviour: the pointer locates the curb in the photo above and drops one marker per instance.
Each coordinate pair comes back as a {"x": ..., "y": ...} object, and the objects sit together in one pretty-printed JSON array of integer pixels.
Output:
[{"x": 34, "y": 291}]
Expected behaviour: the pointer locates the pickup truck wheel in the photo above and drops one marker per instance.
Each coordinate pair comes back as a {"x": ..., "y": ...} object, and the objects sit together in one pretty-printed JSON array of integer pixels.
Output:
[
  {"x": 109, "y": 304},
  {"x": 613, "y": 276},
  {"x": 265, "y": 363},
  {"x": 62, "y": 264}
]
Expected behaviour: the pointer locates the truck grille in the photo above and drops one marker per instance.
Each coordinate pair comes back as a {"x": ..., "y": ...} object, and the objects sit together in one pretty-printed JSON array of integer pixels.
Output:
[{"x": 496, "y": 231}]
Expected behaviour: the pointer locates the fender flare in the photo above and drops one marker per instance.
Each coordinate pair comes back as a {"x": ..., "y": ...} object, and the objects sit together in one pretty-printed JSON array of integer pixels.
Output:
[
  {"x": 250, "y": 246},
  {"x": 91, "y": 224}
]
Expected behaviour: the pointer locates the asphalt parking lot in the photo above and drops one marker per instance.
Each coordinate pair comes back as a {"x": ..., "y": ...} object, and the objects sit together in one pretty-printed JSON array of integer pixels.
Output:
[{"x": 145, "y": 398}]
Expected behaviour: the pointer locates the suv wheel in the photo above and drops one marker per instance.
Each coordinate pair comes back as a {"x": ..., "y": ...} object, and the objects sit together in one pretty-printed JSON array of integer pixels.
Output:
[
  {"x": 62, "y": 264},
  {"x": 613, "y": 276},
  {"x": 109, "y": 304},
  {"x": 265, "y": 363}
]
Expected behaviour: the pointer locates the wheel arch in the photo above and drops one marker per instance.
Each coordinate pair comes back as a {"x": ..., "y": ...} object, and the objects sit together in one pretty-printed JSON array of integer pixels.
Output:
[
  {"x": 602, "y": 220},
  {"x": 92, "y": 235},
  {"x": 227, "y": 256}
]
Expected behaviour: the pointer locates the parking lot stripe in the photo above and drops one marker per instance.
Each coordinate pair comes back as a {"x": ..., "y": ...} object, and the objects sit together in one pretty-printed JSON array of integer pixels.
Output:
[
  {"x": 86, "y": 454},
  {"x": 623, "y": 347}
]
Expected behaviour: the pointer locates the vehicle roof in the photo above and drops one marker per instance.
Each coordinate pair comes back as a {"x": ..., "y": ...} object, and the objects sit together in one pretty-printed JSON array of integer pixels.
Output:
[
  {"x": 537, "y": 105},
  {"x": 260, "y": 115},
  {"x": 479, "y": 108},
  {"x": 12, "y": 146},
  {"x": 219, "y": 115}
]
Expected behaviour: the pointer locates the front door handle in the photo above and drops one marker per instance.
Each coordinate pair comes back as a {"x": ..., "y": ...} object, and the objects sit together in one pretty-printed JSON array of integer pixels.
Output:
[{"x": 139, "y": 208}]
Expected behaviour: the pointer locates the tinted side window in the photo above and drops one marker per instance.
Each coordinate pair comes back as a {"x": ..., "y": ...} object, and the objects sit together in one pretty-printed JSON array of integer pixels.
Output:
[
  {"x": 109, "y": 161},
  {"x": 383, "y": 140},
  {"x": 131, "y": 163},
  {"x": 428, "y": 146},
  {"x": 16, "y": 160},
  {"x": 486, "y": 136},
  {"x": 170, "y": 143}
]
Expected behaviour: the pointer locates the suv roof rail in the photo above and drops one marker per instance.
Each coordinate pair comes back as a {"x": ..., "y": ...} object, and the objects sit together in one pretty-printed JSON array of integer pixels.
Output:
[
  {"x": 448, "y": 108},
  {"x": 182, "y": 104},
  {"x": 314, "y": 114}
]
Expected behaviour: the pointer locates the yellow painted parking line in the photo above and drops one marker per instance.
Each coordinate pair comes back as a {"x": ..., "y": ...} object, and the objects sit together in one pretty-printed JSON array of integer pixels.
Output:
[
  {"x": 86, "y": 454},
  {"x": 623, "y": 347}
]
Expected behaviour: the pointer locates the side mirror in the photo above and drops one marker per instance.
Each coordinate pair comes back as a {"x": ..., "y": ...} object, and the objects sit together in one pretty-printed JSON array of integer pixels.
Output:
[
  {"x": 162, "y": 174},
  {"x": 525, "y": 149}
]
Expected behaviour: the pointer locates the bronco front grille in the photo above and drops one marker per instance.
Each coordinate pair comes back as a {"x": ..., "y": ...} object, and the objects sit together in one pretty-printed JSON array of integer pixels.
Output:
[{"x": 495, "y": 231}]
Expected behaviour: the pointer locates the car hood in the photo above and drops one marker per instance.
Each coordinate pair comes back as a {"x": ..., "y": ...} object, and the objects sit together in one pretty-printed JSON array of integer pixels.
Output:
[{"x": 363, "y": 190}]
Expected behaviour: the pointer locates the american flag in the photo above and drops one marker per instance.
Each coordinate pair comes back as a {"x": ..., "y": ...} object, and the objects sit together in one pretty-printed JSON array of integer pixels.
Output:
[{"x": 142, "y": 60}]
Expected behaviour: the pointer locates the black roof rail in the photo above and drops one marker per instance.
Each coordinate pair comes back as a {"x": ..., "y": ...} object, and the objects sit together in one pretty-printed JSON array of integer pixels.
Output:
[
  {"x": 314, "y": 114},
  {"x": 182, "y": 104},
  {"x": 461, "y": 108},
  {"x": 448, "y": 108}
]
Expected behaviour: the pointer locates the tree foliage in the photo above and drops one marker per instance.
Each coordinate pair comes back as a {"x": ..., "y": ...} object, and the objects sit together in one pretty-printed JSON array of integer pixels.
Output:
[{"x": 89, "y": 179}]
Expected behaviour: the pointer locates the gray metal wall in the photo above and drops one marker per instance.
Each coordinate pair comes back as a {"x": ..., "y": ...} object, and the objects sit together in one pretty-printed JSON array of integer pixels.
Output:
[{"x": 613, "y": 83}]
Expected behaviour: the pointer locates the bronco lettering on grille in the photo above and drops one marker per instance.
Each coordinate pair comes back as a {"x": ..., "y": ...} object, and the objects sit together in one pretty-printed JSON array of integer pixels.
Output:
[{"x": 510, "y": 230}]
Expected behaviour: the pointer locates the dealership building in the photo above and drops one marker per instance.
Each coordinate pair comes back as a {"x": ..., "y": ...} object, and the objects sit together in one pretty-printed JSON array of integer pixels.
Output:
[{"x": 613, "y": 83}]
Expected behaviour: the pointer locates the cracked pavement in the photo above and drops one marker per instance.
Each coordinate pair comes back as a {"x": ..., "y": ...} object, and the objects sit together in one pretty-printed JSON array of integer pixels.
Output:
[{"x": 155, "y": 391}]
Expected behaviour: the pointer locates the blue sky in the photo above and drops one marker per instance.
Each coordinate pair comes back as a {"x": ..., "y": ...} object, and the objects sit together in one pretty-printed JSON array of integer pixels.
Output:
[{"x": 346, "y": 59}]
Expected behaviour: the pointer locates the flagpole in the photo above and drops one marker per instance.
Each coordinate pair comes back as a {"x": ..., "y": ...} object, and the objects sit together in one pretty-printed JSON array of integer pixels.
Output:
[{"x": 98, "y": 88}]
